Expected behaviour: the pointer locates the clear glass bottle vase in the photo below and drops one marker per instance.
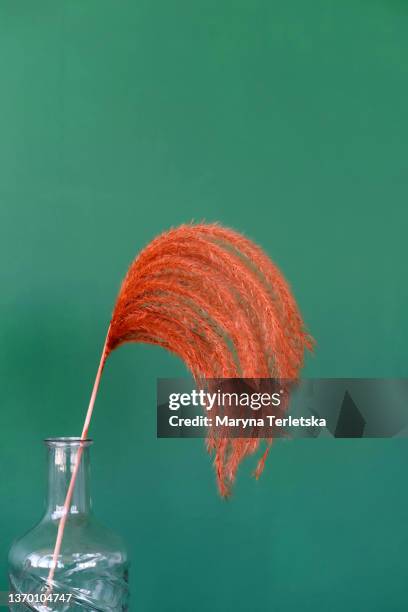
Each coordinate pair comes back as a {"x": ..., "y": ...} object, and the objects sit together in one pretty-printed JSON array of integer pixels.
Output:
[{"x": 92, "y": 568}]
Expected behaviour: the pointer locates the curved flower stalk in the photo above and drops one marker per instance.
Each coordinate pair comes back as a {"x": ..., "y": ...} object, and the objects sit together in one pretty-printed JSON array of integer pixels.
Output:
[{"x": 214, "y": 298}]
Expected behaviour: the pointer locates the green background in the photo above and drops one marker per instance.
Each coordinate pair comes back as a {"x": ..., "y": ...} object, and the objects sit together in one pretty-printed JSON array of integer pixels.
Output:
[{"x": 284, "y": 120}]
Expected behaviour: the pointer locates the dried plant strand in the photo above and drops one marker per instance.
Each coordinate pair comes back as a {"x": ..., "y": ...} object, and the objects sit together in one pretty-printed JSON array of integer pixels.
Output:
[
  {"x": 234, "y": 310},
  {"x": 215, "y": 299}
]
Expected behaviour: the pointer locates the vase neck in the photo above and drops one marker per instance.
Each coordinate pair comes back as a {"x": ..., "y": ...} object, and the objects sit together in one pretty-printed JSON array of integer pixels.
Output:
[{"x": 63, "y": 455}]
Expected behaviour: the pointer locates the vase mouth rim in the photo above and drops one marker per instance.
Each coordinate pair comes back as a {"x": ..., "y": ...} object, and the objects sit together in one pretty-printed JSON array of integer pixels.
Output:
[{"x": 68, "y": 441}]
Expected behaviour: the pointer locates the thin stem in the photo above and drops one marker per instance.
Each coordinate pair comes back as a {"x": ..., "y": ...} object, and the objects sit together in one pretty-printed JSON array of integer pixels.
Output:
[{"x": 84, "y": 435}]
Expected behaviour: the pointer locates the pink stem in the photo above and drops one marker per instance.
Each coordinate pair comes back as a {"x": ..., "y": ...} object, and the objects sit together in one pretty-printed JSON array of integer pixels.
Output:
[{"x": 68, "y": 498}]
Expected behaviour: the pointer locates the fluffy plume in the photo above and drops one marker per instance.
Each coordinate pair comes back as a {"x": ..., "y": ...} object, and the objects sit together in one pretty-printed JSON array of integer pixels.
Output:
[{"x": 215, "y": 299}]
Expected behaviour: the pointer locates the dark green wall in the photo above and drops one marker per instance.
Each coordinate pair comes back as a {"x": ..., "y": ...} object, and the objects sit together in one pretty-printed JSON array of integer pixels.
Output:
[{"x": 285, "y": 120}]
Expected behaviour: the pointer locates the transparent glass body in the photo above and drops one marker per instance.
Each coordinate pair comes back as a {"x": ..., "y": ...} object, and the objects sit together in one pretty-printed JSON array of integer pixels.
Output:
[{"x": 92, "y": 567}]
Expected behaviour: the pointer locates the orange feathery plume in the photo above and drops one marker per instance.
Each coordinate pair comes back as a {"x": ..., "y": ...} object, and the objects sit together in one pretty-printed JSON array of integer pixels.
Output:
[{"x": 214, "y": 298}]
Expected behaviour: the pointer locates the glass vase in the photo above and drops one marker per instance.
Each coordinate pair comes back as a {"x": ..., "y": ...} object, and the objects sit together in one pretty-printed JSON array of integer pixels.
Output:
[{"x": 91, "y": 572}]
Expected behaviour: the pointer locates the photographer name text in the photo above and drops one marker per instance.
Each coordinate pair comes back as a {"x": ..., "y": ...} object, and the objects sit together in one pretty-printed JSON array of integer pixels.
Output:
[{"x": 244, "y": 423}]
